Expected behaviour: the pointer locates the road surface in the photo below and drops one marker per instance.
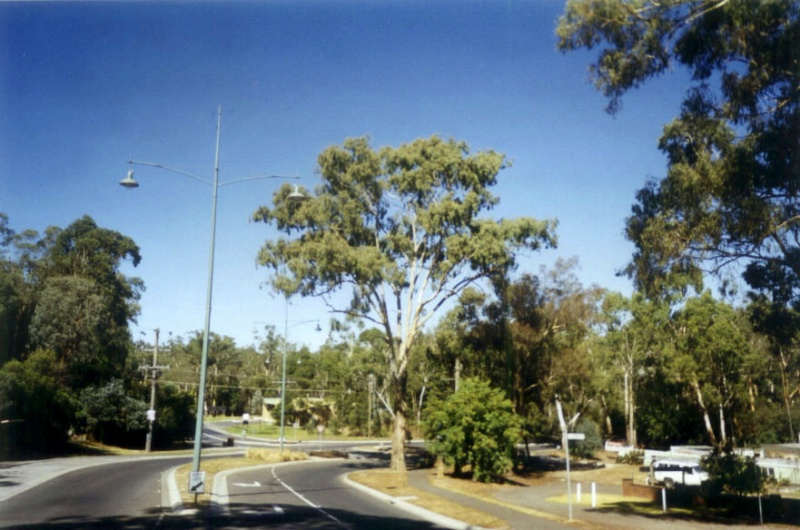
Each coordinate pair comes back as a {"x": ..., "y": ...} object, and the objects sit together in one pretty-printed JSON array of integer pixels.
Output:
[
  {"x": 110, "y": 496},
  {"x": 312, "y": 495}
]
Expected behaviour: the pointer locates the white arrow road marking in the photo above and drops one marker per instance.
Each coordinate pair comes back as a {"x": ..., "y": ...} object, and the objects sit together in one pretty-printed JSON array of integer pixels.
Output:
[
  {"x": 276, "y": 510},
  {"x": 255, "y": 484}
]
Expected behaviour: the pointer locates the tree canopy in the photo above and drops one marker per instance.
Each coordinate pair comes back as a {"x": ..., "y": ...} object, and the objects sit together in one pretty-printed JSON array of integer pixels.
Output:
[{"x": 731, "y": 191}]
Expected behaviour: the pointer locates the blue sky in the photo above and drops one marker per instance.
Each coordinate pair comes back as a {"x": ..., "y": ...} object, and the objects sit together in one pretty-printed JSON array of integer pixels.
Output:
[{"x": 84, "y": 87}]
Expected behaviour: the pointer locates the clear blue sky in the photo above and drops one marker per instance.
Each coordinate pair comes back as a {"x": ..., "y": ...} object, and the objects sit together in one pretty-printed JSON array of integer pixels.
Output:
[{"x": 86, "y": 86}]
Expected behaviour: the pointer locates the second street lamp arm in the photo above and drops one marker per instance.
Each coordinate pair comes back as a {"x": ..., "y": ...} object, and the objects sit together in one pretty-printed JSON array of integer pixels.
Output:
[
  {"x": 204, "y": 181},
  {"x": 176, "y": 170}
]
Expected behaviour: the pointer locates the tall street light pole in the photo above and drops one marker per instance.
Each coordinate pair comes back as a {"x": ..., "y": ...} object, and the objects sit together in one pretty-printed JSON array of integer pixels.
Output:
[{"x": 295, "y": 196}]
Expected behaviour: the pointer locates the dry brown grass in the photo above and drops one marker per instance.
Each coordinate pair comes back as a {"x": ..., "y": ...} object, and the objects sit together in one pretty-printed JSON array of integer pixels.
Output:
[
  {"x": 611, "y": 474},
  {"x": 274, "y": 456},
  {"x": 212, "y": 466},
  {"x": 395, "y": 483},
  {"x": 88, "y": 447}
]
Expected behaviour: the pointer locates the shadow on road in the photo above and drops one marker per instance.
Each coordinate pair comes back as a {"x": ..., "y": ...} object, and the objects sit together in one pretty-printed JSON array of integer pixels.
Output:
[{"x": 241, "y": 517}]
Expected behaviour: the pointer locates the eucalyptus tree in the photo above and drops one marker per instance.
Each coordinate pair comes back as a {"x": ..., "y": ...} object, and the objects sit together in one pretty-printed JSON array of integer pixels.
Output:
[
  {"x": 715, "y": 354},
  {"x": 635, "y": 331},
  {"x": 366, "y": 373},
  {"x": 551, "y": 318},
  {"x": 184, "y": 361},
  {"x": 71, "y": 319},
  {"x": 403, "y": 230},
  {"x": 234, "y": 373},
  {"x": 23, "y": 271},
  {"x": 64, "y": 291},
  {"x": 780, "y": 324},
  {"x": 469, "y": 342},
  {"x": 225, "y": 374},
  {"x": 730, "y": 194},
  {"x": 65, "y": 307},
  {"x": 15, "y": 303},
  {"x": 84, "y": 302}
]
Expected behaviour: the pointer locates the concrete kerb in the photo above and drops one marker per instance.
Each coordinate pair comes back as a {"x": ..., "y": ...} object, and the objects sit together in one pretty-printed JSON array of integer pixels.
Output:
[
  {"x": 433, "y": 517},
  {"x": 170, "y": 494}
]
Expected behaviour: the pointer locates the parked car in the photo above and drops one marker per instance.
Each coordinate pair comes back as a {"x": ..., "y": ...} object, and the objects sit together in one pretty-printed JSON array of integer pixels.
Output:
[{"x": 671, "y": 472}]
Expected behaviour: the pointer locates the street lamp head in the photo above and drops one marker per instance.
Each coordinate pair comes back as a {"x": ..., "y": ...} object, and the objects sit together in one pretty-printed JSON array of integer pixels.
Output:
[
  {"x": 129, "y": 182},
  {"x": 296, "y": 196}
]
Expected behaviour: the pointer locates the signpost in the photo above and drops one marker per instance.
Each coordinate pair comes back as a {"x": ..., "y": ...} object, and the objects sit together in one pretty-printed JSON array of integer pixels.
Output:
[
  {"x": 565, "y": 438},
  {"x": 197, "y": 482}
]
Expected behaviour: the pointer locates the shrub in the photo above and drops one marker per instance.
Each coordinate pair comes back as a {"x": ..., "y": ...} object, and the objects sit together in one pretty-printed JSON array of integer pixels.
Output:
[
  {"x": 733, "y": 473},
  {"x": 109, "y": 415},
  {"x": 631, "y": 458},
  {"x": 40, "y": 406},
  {"x": 592, "y": 442},
  {"x": 475, "y": 426}
]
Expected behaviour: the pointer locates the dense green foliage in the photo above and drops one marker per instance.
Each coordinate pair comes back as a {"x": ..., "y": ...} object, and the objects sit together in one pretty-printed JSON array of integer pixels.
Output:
[
  {"x": 730, "y": 195},
  {"x": 727, "y": 205},
  {"x": 474, "y": 426},
  {"x": 110, "y": 413},
  {"x": 730, "y": 472},
  {"x": 64, "y": 314},
  {"x": 43, "y": 409},
  {"x": 696, "y": 370}
]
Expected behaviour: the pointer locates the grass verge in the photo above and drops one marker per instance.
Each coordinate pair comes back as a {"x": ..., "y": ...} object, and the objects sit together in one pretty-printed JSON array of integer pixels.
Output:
[
  {"x": 395, "y": 484},
  {"x": 272, "y": 432}
]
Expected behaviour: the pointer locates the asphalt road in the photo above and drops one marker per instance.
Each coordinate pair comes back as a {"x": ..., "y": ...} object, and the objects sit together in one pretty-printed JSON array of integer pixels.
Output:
[
  {"x": 127, "y": 495},
  {"x": 111, "y": 496},
  {"x": 312, "y": 495}
]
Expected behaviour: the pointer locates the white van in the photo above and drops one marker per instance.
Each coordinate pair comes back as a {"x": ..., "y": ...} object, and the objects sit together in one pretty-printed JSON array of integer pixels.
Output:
[{"x": 671, "y": 472}]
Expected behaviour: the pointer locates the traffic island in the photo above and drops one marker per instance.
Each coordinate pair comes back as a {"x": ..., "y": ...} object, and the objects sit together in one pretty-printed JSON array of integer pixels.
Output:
[{"x": 212, "y": 466}]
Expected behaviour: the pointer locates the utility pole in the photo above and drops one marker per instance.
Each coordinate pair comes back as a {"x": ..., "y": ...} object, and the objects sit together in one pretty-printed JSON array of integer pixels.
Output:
[{"x": 154, "y": 370}]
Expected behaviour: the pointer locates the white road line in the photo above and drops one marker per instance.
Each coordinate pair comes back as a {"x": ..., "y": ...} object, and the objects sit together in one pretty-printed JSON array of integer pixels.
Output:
[{"x": 305, "y": 500}]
